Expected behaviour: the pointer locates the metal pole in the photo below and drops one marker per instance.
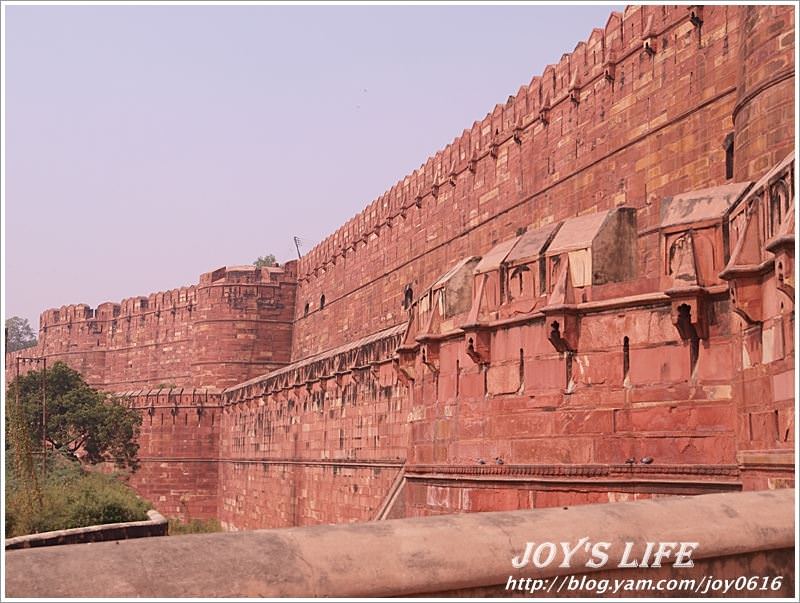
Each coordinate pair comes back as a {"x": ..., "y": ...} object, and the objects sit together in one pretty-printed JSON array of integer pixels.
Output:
[
  {"x": 16, "y": 386},
  {"x": 44, "y": 419}
]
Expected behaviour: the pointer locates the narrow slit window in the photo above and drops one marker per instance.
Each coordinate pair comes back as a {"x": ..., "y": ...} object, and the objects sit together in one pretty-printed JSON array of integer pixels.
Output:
[
  {"x": 626, "y": 358},
  {"x": 694, "y": 354},
  {"x": 408, "y": 298},
  {"x": 728, "y": 146}
]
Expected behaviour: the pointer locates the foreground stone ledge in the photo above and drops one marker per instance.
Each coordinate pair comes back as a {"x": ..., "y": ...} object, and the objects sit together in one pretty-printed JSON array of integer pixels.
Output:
[
  {"x": 746, "y": 534},
  {"x": 155, "y": 526}
]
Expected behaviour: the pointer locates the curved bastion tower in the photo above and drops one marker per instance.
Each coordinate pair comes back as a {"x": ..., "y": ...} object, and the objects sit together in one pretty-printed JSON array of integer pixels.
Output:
[{"x": 587, "y": 296}]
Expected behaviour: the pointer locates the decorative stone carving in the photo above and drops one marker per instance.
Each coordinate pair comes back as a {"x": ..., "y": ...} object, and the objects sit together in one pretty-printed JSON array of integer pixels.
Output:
[{"x": 762, "y": 229}]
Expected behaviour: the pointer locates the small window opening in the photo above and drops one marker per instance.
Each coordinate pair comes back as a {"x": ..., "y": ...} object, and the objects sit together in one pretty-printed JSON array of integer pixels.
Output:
[
  {"x": 775, "y": 212},
  {"x": 305, "y": 309},
  {"x": 322, "y": 302},
  {"x": 408, "y": 298},
  {"x": 626, "y": 359},
  {"x": 518, "y": 279},
  {"x": 728, "y": 146}
]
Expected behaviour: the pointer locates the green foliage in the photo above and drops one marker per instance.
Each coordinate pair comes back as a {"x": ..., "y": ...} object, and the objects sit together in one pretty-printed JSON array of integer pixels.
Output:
[
  {"x": 71, "y": 497},
  {"x": 20, "y": 474},
  {"x": 265, "y": 260},
  {"x": 194, "y": 526},
  {"x": 19, "y": 334},
  {"x": 81, "y": 421}
]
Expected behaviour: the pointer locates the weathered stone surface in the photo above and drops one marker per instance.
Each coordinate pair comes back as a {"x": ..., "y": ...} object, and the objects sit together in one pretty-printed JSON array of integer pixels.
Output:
[
  {"x": 601, "y": 271},
  {"x": 742, "y": 534},
  {"x": 154, "y": 525}
]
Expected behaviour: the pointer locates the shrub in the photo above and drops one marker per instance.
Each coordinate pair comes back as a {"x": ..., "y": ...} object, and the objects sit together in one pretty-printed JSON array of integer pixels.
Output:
[
  {"x": 194, "y": 526},
  {"x": 71, "y": 497}
]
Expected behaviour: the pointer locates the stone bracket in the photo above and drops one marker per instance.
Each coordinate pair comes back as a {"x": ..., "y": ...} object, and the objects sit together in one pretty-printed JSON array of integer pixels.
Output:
[
  {"x": 563, "y": 329},
  {"x": 404, "y": 364},
  {"x": 479, "y": 344},
  {"x": 783, "y": 249},
  {"x": 695, "y": 14},
  {"x": 429, "y": 352},
  {"x": 746, "y": 297},
  {"x": 689, "y": 312}
]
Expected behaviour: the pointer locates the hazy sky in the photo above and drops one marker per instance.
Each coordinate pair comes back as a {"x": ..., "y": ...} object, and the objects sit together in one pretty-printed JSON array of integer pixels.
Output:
[{"x": 148, "y": 144}]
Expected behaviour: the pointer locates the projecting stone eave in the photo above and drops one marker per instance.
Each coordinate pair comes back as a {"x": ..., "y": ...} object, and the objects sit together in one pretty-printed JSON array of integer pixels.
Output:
[{"x": 324, "y": 361}]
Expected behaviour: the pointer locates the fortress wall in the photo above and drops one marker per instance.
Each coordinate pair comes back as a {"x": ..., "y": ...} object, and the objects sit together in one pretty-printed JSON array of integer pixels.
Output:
[
  {"x": 284, "y": 494},
  {"x": 656, "y": 130},
  {"x": 316, "y": 443},
  {"x": 516, "y": 435},
  {"x": 243, "y": 325},
  {"x": 472, "y": 399},
  {"x": 158, "y": 350},
  {"x": 233, "y": 325},
  {"x": 764, "y": 111},
  {"x": 178, "y": 450}
]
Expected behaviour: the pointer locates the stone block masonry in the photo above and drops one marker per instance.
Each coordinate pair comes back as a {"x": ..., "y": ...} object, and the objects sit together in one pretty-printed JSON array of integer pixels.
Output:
[
  {"x": 234, "y": 324},
  {"x": 610, "y": 124},
  {"x": 744, "y": 537},
  {"x": 587, "y": 297},
  {"x": 179, "y": 445}
]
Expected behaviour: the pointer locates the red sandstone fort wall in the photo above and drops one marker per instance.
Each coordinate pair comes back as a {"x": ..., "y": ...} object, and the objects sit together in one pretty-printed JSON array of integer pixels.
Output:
[
  {"x": 667, "y": 334},
  {"x": 571, "y": 142},
  {"x": 178, "y": 450},
  {"x": 764, "y": 110},
  {"x": 235, "y": 324},
  {"x": 532, "y": 427},
  {"x": 317, "y": 443}
]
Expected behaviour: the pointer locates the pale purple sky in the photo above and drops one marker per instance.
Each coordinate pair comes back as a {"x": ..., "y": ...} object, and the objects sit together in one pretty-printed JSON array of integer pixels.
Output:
[{"x": 146, "y": 145}]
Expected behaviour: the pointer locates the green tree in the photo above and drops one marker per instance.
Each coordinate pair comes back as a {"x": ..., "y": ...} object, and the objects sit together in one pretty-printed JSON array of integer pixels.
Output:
[
  {"x": 19, "y": 334},
  {"x": 81, "y": 421},
  {"x": 265, "y": 260}
]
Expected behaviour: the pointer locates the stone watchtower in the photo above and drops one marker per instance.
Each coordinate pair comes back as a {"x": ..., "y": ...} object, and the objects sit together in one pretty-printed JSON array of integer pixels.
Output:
[
  {"x": 763, "y": 116},
  {"x": 242, "y": 326}
]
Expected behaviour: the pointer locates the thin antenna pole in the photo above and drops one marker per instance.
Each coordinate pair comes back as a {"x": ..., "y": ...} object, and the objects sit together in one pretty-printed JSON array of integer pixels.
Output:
[
  {"x": 44, "y": 420},
  {"x": 297, "y": 246},
  {"x": 16, "y": 386}
]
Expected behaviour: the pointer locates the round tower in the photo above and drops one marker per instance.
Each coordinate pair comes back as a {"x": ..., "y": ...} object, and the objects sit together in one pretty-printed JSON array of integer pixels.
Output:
[
  {"x": 242, "y": 324},
  {"x": 763, "y": 117}
]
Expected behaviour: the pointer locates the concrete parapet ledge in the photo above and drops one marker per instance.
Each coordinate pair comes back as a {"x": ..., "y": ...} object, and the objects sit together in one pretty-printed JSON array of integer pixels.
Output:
[
  {"x": 156, "y": 525},
  {"x": 737, "y": 534}
]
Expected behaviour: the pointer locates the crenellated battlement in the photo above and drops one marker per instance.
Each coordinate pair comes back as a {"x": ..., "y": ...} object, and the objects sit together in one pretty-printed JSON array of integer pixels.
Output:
[
  {"x": 594, "y": 62},
  {"x": 154, "y": 303},
  {"x": 192, "y": 335},
  {"x": 170, "y": 300},
  {"x": 587, "y": 289}
]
